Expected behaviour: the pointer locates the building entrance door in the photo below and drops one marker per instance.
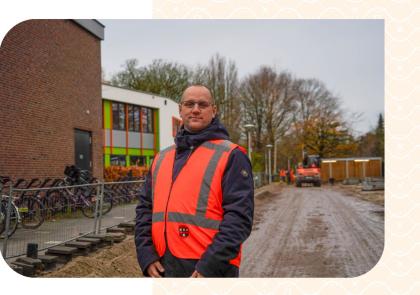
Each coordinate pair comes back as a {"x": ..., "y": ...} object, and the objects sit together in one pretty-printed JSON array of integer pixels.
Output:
[{"x": 83, "y": 149}]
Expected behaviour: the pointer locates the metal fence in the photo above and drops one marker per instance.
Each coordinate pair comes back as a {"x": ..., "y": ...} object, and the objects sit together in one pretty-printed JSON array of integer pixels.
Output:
[{"x": 53, "y": 216}]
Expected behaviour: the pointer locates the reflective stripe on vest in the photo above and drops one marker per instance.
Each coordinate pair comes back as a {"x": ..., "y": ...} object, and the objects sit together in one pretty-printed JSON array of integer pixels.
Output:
[
  {"x": 209, "y": 226},
  {"x": 198, "y": 220},
  {"x": 158, "y": 164}
]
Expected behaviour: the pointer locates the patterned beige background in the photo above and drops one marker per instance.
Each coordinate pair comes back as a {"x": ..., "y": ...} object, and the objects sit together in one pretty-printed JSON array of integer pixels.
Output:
[{"x": 398, "y": 271}]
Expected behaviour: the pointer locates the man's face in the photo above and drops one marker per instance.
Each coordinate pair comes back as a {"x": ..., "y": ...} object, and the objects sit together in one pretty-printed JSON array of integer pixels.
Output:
[{"x": 196, "y": 108}]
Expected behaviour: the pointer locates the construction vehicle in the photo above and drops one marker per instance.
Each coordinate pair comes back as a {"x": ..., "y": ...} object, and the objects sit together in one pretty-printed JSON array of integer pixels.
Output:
[{"x": 309, "y": 171}]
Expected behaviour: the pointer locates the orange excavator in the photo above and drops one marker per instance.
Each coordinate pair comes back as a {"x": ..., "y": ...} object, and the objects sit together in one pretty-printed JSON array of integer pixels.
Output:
[{"x": 309, "y": 171}]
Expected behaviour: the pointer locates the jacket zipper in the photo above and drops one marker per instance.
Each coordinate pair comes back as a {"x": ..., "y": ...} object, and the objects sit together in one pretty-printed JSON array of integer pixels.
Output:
[{"x": 170, "y": 190}]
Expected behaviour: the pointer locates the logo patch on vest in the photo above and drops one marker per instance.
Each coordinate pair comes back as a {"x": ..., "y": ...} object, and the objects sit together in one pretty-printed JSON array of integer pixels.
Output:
[
  {"x": 244, "y": 173},
  {"x": 183, "y": 231}
]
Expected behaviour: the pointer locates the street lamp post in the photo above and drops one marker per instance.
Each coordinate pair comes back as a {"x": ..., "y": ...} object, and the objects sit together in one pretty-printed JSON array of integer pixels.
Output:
[
  {"x": 269, "y": 146},
  {"x": 248, "y": 128},
  {"x": 275, "y": 157}
]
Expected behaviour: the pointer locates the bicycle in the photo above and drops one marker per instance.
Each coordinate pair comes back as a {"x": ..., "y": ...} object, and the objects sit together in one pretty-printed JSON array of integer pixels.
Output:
[
  {"x": 83, "y": 198},
  {"x": 14, "y": 217},
  {"x": 26, "y": 210}
]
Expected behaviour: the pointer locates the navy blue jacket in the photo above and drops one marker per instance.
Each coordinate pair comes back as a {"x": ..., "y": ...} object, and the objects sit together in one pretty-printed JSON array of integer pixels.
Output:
[{"x": 238, "y": 205}]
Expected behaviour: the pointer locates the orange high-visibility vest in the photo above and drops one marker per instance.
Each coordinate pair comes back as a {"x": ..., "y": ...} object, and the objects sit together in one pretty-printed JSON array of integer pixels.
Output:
[{"x": 189, "y": 210}]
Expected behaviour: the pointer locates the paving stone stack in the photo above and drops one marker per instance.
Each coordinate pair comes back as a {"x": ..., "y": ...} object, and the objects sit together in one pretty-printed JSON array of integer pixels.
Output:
[
  {"x": 128, "y": 226},
  {"x": 83, "y": 248},
  {"x": 34, "y": 264},
  {"x": 373, "y": 184},
  {"x": 63, "y": 253},
  {"x": 94, "y": 243},
  {"x": 351, "y": 181},
  {"x": 49, "y": 261}
]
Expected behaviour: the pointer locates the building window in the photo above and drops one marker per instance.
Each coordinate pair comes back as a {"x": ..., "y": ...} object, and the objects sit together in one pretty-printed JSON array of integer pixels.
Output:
[
  {"x": 147, "y": 120},
  {"x": 117, "y": 160},
  {"x": 176, "y": 124},
  {"x": 134, "y": 118},
  {"x": 137, "y": 161},
  {"x": 118, "y": 116}
]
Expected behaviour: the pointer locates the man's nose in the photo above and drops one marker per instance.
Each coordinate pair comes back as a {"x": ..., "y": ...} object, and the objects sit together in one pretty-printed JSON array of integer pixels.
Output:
[{"x": 195, "y": 108}]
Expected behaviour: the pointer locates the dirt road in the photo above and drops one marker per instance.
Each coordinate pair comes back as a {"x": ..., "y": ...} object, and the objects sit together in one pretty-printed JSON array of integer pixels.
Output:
[
  {"x": 313, "y": 232},
  {"x": 298, "y": 232}
]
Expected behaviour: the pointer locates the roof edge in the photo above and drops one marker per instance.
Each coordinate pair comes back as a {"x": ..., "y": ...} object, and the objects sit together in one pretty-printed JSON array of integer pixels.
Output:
[
  {"x": 138, "y": 91},
  {"x": 92, "y": 26}
]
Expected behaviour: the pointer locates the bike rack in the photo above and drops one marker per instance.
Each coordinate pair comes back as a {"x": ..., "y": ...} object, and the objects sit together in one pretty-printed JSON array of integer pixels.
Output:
[{"x": 98, "y": 207}]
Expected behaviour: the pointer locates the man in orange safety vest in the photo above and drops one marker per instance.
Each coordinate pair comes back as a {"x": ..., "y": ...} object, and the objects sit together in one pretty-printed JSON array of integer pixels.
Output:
[{"x": 196, "y": 207}]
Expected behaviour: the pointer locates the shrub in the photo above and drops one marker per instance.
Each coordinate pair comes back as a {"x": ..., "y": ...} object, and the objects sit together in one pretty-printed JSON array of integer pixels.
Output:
[{"x": 116, "y": 173}]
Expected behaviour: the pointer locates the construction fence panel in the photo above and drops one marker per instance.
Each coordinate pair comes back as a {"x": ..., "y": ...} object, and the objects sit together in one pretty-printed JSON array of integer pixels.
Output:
[
  {"x": 67, "y": 213},
  {"x": 48, "y": 217},
  {"x": 125, "y": 197}
]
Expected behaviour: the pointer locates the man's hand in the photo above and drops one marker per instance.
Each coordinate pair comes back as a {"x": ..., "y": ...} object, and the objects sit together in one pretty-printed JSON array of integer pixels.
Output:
[
  {"x": 196, "y": 274},
  {"x": 154, "y": 269}
]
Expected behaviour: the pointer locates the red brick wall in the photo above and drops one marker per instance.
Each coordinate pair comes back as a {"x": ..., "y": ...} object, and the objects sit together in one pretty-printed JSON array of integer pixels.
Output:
[{"x": 50, "y": 74}]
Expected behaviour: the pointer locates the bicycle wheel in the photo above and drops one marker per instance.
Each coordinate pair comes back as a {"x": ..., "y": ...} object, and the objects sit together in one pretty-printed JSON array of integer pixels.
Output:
[
  {"x": 13, "y": 224},
  {"x": 88, "y": 209},
  {"x": 2, "y": 222},
  {"x": 107, "y": 203},
  {"x": 32, "y": 213}
]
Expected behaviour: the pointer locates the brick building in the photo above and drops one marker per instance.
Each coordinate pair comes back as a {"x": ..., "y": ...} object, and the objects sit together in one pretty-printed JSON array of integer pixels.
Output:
[{"x": 50, "y": 98}]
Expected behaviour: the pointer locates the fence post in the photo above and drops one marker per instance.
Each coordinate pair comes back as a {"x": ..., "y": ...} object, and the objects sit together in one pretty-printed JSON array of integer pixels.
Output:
[
  {"x": 6, "y": 230},
  {"x": 98, "y": 193},
  {"x": 101, "y": 198}
]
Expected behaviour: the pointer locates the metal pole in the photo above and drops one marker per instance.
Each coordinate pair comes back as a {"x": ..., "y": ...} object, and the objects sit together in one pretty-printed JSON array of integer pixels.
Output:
[
  {"x": 269, "y": 166},
  {"x": 275, "y": 158},
  {"x": 98, "y": 193},
  {"x": 6, "y": 230},
  {"x": 101, "y": 205},
  {"x": 266, "y": 164},
  {"x": 249, "y": 145}
]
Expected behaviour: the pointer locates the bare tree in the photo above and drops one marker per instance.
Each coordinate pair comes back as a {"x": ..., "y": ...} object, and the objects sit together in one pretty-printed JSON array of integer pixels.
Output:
[
  {"x": 161, "y": 77},
  {"x": 267, "y": 102},
  {"x": 129, "y": 76},
  {"x": 318, "y": 122},
  {"x": 221, "y": 77}
]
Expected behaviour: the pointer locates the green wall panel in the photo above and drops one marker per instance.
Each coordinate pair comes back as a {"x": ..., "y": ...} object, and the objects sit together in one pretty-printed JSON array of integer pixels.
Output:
[
  {"x": 156, "y": 114},
  {"x": 107, "y": 160},
  {"x": 107, "y": 111}
]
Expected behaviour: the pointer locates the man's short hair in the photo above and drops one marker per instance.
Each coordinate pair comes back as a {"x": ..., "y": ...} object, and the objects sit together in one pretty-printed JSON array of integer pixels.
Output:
[{"x": 199, "y": 85}]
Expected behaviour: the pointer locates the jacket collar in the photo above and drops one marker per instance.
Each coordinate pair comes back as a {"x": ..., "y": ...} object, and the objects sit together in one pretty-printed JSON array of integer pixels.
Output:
[{"x": 188, "y": 140}]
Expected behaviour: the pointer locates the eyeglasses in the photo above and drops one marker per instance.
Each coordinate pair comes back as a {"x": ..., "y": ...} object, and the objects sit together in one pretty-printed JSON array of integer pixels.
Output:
[{"x": 202, "y": 105}]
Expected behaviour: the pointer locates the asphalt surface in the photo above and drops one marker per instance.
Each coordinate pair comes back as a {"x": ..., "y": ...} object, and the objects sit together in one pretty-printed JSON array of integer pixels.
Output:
[{"x": 57, "y": 231}]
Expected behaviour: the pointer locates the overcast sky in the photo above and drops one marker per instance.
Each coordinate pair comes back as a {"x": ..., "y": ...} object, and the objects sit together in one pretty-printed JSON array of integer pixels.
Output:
[{"x": 347, "y": 55}]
